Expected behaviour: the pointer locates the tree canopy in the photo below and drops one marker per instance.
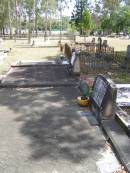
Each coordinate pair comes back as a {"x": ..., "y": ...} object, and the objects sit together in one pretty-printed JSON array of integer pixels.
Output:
[{"x": 33, "y": 15}]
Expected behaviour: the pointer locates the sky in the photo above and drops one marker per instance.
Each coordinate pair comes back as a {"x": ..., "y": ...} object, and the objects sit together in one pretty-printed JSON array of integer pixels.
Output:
[{"x": 68, "y": 10}]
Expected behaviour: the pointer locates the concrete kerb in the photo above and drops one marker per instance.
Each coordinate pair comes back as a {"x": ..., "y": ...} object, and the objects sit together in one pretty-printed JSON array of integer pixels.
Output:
[{"x": 38, "y": 85}]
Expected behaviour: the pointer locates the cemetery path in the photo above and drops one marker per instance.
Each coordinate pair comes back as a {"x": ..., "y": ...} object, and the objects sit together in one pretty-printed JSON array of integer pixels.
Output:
[{"x": 42, "y": 130}]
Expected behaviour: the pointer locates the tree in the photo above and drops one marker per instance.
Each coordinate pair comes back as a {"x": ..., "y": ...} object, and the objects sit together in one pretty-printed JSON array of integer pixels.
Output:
[
  {"x": 110, "y": 6},
  {"x": 28, "y": 5},
  {"x": 4, "y": 14},
  {"x": 80, "y": 14},
  {"x": 118, "y": 21},
  {"x": 86, "y": 21}
]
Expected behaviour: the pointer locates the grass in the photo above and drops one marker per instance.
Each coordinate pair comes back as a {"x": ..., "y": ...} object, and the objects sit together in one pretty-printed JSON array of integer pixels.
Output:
[
  {"x": 119, "y": 44},
  {"x": 20, "y": 51},
  {"x": 121, "y": 78}
]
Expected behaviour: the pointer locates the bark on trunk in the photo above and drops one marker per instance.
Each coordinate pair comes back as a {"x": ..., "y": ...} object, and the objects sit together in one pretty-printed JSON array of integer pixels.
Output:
[
  {"x": 10, "y": 24},
  {"x": 16, "y": 18},
  {"x": 46, "y": 21},
  {"x": 29, "y": 30}
]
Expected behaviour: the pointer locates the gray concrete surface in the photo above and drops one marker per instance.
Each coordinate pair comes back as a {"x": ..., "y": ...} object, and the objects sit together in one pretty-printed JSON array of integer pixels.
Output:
[
  {"x": 35, "y": 76},
  {"x": 42, "y": 131}
]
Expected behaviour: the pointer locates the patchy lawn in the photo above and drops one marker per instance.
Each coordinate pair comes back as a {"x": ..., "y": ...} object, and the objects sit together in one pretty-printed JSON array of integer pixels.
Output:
[
  {"x": 119, "y": 44},
  {"x": 20, "y": 51},
  {"x": 121, "y": 77}
]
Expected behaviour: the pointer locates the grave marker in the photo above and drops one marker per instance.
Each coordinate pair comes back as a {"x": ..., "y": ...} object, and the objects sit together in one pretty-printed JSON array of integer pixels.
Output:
[
  {"x": 127, "y": 59},
  {"x": 103, "y": 98},
  {"x": 128, "y": 52}
]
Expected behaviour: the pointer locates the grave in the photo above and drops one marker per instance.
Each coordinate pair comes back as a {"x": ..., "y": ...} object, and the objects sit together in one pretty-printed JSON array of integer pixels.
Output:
[
  {"x": 126, "y": 63},
  {"x": 103, "y": 98},
  {"x": 38, "y": 76},
  {"x": 128, "y": 58},
  {"x": 123, "y": 103},
  {"x": 104, "y": 108}
]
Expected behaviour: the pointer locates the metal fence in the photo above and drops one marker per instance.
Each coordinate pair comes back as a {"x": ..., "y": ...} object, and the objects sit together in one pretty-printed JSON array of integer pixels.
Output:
[{"x": 95, "y": 58}]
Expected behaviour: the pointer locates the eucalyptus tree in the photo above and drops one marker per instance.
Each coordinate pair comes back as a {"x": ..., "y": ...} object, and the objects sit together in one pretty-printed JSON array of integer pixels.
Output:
[
  {"x": 29, "y": 9},
  {"x": 6, "y": 15},
  {"x": 3, "y": 15},
  {"x": 37, "y": 13},
  {"x": 110, "y": 6},
  {"x": 51, "y": 12},
  {"x": 61, "y": 4},
  {"x": 48, "y": 8}
]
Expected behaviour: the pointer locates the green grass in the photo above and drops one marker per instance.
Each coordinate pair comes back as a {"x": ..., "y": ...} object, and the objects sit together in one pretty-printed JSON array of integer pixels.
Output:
[{"x": 122, "y": 78}]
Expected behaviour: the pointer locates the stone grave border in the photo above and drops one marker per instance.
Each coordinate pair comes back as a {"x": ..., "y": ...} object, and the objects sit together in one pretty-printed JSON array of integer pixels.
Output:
[{"x": 115, "y": 133}]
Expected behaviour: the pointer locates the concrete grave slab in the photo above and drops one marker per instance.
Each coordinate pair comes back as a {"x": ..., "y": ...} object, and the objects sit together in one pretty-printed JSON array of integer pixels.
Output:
[
  {"x": 104, "y": 107},
  {"x": 120, "y": 141},
  {"x": 43, "y": 130},
  {"x": 123, "y": 95},
  {"x": 37, "y": 76}
]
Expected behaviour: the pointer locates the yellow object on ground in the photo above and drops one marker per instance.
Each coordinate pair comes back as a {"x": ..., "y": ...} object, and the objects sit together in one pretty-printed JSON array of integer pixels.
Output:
[{"x": 84, "y": 102}]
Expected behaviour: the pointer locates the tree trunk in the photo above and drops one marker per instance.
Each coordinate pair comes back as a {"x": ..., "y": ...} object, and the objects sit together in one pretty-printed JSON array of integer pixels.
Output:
[
  {"x": 29, "y": 29},
  {"x": 61, "y": 24},
  {"x": 16, "y": 19},
  {"x": 46, "y": 20},
  {"x": 36, "y": 17},
  {"x": 50, "y": 25},
  {"x": 3, "y": 30},
  {"x": 19, "y": 25},
  {"x": 10, "y": 24}
]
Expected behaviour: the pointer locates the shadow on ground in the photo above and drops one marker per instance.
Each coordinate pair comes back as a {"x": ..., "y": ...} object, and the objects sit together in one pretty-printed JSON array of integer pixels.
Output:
[
  {"x": 39, "y": 76},
  {"x": 53, "y": 123}
]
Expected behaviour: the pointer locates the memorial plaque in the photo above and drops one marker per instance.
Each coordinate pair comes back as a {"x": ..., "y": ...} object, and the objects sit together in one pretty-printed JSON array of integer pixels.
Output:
[
  {"x": 99, "y": 91},
  {"x": 103, "y": 98}
]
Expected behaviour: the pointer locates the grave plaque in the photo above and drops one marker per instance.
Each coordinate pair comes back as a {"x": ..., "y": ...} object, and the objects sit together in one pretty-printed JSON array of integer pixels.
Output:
[{"x": 103, "y": 98}]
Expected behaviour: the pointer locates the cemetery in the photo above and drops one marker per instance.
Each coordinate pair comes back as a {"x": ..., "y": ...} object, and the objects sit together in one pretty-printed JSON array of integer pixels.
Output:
[
  {"x": 108, "y": 109},
  {"x": 64, "y": 86}
]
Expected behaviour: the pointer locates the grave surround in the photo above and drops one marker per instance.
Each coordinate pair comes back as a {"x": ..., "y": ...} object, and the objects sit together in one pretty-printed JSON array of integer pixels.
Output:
[{"x": 104, "y": 107}]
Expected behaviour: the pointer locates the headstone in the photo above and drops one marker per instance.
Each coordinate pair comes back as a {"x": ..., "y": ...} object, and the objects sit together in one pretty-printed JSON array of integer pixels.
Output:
[
  {"x": 103, "y": 98},
  {"x": 100, "y": 43},
  {"x": 128, "y": 52},
  {"x": 99, "y": 47},
  {"x": 93, "y": 40},
  {"x": 105, "y": 45},
  {"x": 75, "y": 63},
  {"x": 127, "y": 59}
]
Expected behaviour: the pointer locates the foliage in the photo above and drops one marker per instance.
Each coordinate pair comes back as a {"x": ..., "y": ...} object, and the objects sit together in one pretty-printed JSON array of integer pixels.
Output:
[
  {"x": 81, "y": 16},
  {"x": 33, "y": 15},
  {"x": 118, "y": 21}
]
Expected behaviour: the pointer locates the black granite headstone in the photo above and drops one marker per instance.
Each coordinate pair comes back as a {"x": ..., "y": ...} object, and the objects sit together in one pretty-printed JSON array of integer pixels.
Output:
[{"x": 103, "y": 98}]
